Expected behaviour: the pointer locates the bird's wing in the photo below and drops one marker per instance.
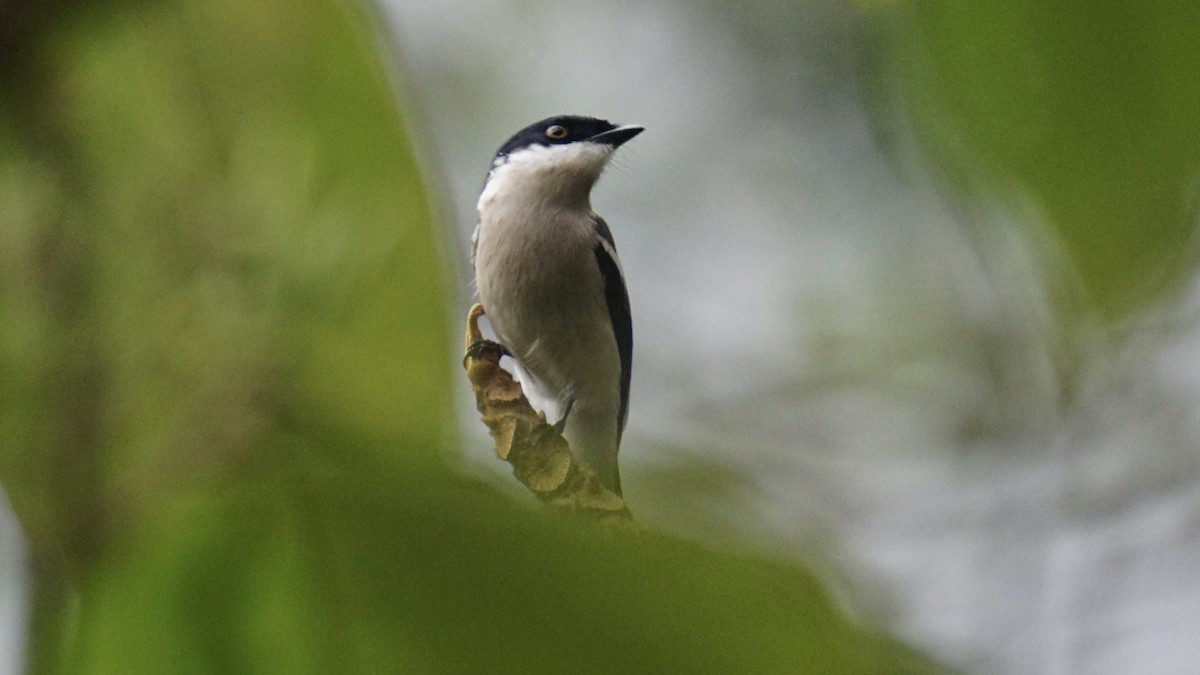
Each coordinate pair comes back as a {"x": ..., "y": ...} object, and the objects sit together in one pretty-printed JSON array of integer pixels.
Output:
[{"x": 617, "y": 299}]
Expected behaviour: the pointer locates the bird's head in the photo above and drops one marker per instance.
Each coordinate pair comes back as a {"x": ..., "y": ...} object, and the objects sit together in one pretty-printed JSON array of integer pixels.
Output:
[{"x": 557, "y": 159}]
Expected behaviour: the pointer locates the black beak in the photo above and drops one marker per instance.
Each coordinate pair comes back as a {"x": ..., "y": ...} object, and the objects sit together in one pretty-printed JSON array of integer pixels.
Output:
[{"x": 618, "y": 136}]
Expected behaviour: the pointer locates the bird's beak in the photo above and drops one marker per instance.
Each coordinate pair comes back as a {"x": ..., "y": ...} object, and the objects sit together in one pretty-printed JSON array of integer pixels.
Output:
[{"x": 616, "y": 137}]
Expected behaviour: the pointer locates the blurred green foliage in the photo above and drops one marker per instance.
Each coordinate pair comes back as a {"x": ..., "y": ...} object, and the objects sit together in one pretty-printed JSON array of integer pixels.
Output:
[
  {"x": 1085, "y": 111},
  {"x": 226, "y": 387}
]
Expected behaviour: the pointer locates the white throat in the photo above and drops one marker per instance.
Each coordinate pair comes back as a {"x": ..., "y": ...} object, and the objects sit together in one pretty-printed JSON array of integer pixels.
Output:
[{"x": 556, "y": 174}]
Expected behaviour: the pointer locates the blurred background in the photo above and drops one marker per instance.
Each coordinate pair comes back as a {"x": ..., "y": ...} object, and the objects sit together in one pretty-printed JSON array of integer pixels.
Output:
[{"x": 917, "y": 359}]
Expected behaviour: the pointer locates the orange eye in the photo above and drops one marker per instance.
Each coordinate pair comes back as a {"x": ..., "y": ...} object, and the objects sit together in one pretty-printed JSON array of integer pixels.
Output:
[{"x": 557, "y": 132}]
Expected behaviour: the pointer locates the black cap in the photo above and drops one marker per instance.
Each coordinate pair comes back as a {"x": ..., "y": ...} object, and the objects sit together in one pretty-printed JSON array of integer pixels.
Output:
[{"x": 563, "y": 129}]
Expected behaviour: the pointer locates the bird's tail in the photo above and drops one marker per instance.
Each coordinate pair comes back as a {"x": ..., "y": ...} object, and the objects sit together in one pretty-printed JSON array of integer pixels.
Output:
[{"x": 595, "y": 437}]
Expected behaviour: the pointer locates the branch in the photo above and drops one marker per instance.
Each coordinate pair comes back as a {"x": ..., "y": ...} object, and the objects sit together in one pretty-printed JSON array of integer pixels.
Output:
[{"x": 537, "y": 451}]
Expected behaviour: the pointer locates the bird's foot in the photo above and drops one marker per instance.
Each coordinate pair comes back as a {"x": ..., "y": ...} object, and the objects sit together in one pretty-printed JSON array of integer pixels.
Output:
[
  {"x": 485, "y": 349},
  {"x": 477, "y": 346}
]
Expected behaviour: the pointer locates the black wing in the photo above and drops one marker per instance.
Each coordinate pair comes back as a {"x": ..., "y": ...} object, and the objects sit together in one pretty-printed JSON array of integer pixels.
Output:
[{"x": 618, "y": 312}]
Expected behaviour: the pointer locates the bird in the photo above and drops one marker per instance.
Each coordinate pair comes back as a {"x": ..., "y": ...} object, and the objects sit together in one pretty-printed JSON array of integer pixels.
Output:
[{"x": 551, "y": 284}]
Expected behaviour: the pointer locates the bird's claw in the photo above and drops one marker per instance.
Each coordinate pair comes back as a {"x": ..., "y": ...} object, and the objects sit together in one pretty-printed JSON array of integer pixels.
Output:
[{"x": 482, "y": 349}]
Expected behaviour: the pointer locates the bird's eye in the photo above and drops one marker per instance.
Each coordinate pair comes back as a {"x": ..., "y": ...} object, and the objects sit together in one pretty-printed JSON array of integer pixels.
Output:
[{"x": 557, "y": 132}]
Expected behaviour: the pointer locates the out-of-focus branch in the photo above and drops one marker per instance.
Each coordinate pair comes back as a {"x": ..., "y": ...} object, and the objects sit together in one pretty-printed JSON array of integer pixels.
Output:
[{"x": 537, "y": 451}]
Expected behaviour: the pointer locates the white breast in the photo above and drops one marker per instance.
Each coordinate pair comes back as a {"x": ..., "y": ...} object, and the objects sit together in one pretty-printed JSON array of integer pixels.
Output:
[{"x": 540, "y": 284}]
